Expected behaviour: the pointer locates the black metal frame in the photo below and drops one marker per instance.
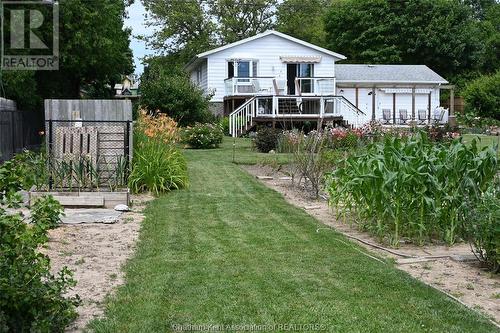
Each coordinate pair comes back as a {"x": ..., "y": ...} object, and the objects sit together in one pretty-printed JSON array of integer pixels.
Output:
[{"x": 126, "y": 150}]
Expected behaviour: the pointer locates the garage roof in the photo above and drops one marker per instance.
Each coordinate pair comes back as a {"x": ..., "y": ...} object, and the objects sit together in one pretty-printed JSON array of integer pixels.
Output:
[{"x": 387, "y": 74}]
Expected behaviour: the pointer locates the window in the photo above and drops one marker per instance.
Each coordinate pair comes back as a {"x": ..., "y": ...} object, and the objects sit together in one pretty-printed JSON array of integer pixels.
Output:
[
  {"x": 306, "y": 70},
  {"x": 242, "y": 68},
  {"x": 198, "y": 75},
  {"x": 230, "y": 69}
]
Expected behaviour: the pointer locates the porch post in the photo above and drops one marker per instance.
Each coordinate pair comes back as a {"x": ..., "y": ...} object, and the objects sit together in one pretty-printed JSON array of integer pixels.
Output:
[
  {"x": 394, "y": 108},
  {"x": 373, "y": 103},
  {"x": 429, "y": 102},
  {"x": 452, "y": 102},
  {"x": 451, "y": 114},
  {"x": 413, "y": 103},
  {"x": 357, "y": 97}
]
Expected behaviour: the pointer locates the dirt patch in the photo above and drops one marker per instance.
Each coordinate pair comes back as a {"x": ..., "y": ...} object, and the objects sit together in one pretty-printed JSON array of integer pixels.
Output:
[
  {"x": 455, "y": 271},
  {"x": 95, "y": 252}
]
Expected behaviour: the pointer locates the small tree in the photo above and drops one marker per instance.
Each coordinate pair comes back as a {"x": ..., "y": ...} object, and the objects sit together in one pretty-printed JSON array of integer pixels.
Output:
[
  {"x": 481, "y": 96},
  {"x": 172, "y": 92}
]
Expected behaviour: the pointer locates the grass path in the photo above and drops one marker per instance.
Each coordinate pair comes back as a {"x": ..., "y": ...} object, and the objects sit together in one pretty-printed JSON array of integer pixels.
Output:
[{"x": 228, "y": 250}]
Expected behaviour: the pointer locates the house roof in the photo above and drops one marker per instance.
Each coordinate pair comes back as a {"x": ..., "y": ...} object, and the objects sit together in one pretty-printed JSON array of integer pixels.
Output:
[
  {"x": 387, "y": 74},
  {"x": 261, "y": 35}
]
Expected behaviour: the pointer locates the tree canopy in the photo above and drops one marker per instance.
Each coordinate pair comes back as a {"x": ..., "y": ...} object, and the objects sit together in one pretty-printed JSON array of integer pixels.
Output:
[
  {"x": 188, "y": 27},
  {"x": 94, "y": 52},
  {"x": 439, "y": 33},
  {"x": 167, "y": 89}
]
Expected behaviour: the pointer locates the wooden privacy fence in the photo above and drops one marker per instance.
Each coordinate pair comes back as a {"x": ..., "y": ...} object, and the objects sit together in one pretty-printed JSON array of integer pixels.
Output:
[{"x": 19, "y": 129}]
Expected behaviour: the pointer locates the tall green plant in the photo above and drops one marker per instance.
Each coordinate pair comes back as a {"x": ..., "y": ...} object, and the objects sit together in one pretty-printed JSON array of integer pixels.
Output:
[
  {"x": 157, "y": 167},
  {"x": 411, "y": 187}
]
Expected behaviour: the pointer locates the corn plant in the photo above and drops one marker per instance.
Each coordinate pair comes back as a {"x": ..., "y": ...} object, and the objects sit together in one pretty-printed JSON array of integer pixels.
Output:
[{"x": 412, "y": 188}]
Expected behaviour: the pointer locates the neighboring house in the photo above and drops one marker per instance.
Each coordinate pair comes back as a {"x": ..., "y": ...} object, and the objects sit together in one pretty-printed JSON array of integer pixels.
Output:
[
  {"x": 273, "y": 77},
  {"x": 128, "y": 89}
]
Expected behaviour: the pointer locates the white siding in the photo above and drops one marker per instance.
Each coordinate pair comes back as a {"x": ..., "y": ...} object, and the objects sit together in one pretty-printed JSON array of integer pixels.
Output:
[
  {"x": 202, "y": 82},
  {"x": 384, "y": 100},
  {"x": 267, "y": 50}
]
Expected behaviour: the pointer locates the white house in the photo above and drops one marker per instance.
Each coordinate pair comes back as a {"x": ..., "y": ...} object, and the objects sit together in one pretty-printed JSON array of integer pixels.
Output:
[{"x": 273, "y": 77}]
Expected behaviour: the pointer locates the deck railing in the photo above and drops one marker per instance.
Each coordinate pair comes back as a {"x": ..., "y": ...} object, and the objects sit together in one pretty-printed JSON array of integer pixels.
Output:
[
  {"x": 269, "y": 85},
  {"x": 290, "y": 107}
]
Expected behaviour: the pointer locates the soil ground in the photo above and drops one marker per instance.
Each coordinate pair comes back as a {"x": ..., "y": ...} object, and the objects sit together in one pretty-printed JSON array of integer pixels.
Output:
[
  {"x": 95, "y": 252},
  {"x": 458, "y": 275}
]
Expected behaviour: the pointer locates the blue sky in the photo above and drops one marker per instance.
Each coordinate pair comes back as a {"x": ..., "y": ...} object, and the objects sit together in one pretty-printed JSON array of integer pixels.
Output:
[{"x": 136, "y": 21}]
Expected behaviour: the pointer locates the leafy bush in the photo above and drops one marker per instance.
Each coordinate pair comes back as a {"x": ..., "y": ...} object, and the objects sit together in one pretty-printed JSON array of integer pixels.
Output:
[
  {"x": 482, "y": 97},
  {"x": 412, "y": 187},
  {"x": 267, "y": 139},
  {"x": 344, "y": 138},
  {"x": 482, "y": 228},
  {"x": 224, "y": 123},
  {"x": 31, "y": 297},
  {"x": 22, "y": 172},
  {"x": 170, "y": 91},
  {"x": 203, "y": 136}
]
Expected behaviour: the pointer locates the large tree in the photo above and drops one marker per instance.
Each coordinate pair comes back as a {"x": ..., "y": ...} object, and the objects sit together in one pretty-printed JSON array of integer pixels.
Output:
[
  {"x": 303, "y": 19},
  {"x": 442, "y": 34},
  {"x": 94, "y": 52},
  {"x": 187, "y": 27}
]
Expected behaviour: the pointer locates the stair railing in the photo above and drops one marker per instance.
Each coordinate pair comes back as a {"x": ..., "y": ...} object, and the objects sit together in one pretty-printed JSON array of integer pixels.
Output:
[{"x": 242, "y": 118}]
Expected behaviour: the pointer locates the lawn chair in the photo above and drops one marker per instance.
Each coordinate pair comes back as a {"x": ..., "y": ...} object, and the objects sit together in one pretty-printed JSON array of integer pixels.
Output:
[
  {"x": 386, "y": 116},
  {"x": 403, "y": 116},
  {"x": 439, "y": 115},
  {"x": 422, "y": 117},
  {"x": 257, "y": 89}
]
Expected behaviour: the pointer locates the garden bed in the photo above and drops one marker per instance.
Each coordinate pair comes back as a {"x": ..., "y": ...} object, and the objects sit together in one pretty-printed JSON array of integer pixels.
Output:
[
  {"x": 454, "y": 271},
  {"x": 103, "y": 199}
]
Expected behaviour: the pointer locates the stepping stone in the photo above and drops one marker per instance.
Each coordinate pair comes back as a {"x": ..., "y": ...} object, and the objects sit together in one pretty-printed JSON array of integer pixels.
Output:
[
  {"x": 406, "y": 261},
  {"x": 81, "y": 216},
  {"x": 265, "y": 177},
  {"x": 285, "y": 178},
  {"x": 312, "y": 207}
]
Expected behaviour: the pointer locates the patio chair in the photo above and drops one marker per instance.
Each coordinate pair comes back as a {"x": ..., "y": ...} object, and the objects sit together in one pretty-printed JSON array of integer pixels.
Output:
[
  {"x": 439, "y": 115},
  {"x": 403, "y": 116},
  {"x": 386, "y": 116},
  {"x": 257, "y": 89},
  {"x": 422, "y": 116}
]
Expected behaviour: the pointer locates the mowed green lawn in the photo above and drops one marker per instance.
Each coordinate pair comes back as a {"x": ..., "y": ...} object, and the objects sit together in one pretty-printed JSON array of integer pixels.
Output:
[
  {"x": 483, "y": 140},
  {"x": 229, "y": 251}
]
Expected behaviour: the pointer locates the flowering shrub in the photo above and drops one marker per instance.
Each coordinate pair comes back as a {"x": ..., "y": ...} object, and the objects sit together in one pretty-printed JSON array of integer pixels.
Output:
[
  {"x": 158, "y": 126},
  {"x": 343, "y": 138},
  {"x": 288, "y": 141},
  {"x": 202, "y": 136}
]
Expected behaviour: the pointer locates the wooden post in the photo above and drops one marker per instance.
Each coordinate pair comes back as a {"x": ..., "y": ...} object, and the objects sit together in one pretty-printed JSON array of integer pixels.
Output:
[
  {"x": 452, "y": 102},
  {"x": 373, "y": 103},
  {"x": 413, "y": 103},
  {"x": 357, "y": 97},
  {"x": 394, "y": 108},
  {"x": 429, "y": 102}
]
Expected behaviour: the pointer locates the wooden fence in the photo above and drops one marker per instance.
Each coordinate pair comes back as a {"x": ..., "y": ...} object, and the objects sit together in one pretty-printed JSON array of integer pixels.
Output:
[{"x": 19, "y": 129}]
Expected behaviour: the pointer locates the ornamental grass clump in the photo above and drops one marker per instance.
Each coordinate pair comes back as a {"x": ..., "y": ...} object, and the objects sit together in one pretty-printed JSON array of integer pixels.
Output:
[
  {"x": 203, "y": 136},
  {"x": 411, "y": 187},
  {"x": 158, "y": 165}
]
